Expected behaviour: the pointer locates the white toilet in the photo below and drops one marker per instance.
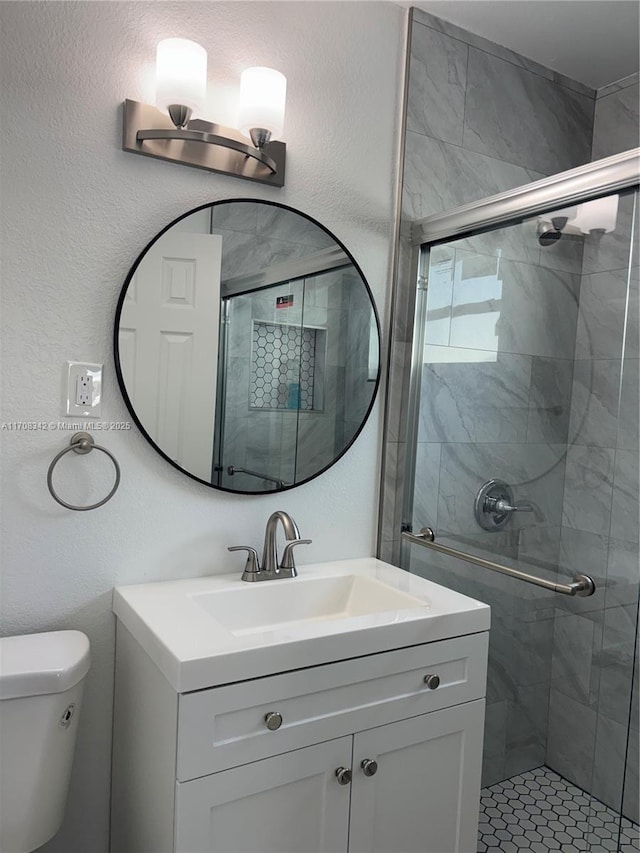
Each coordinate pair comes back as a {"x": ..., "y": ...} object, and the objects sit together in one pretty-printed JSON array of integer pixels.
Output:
[{"x": 41, "y": 684}]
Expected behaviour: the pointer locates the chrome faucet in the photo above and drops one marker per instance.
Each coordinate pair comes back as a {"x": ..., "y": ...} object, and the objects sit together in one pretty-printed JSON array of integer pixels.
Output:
[{"x": 270, "y": 568}]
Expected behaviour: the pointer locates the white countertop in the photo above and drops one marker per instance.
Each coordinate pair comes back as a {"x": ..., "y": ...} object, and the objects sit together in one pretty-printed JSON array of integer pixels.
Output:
[{"x": 194, "y": 650}]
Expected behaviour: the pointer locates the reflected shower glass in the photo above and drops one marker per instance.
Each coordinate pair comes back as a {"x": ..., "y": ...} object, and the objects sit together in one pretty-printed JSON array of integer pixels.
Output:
[{"x": 307, "y": 350}]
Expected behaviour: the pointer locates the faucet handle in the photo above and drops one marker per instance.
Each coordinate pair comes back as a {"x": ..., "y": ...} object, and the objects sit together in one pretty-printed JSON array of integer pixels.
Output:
[
  {"x": 251, "y": 567},
  {"x": 502, "y": 506},
  {"x": 287, "y": 555}
]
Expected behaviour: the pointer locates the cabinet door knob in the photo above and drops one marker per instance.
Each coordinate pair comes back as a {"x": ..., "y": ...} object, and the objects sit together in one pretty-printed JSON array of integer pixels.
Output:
[
  {"x": 432, "y": 681},
  {"x": 273, "y": 720},
  {"x": 343, "y": 775},
  {"x": 369, "y": 766}
]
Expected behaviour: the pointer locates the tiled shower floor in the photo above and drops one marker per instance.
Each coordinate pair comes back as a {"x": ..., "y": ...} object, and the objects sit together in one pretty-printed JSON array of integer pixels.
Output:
[{"x": 540, "y": 811}]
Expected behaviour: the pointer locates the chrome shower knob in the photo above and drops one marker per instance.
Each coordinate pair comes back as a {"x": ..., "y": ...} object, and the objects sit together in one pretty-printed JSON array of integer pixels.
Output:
[
  {"x": 432, "y": 681},
  {"x": 369, "y": 766},
  {"x": 343, "y": 775},
  {"x": 273, "y": 720},
  {"x": 494, "y": 505}
]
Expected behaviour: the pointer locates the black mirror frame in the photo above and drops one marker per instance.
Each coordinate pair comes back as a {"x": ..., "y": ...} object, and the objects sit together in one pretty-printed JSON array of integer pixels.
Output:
[{"x": 118, "y": 367}]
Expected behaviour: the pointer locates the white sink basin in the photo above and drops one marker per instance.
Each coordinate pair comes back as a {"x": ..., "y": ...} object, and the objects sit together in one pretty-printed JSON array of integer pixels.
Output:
[
  {"x": 217, "y": 630},
  {"x": 270, "y": 606}
]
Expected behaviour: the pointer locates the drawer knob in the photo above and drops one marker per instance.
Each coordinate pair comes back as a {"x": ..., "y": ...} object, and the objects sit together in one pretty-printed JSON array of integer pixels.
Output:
[
  {"x": 432, "y": 681},
  {"x": 369, "y": 767},
  {"x": 343, "y": 775},
  {"x": 273, "y": 720}
]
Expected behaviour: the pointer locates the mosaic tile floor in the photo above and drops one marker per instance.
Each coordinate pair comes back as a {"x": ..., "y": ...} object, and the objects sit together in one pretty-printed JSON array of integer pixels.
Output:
[{"x": 540, "y": 811}]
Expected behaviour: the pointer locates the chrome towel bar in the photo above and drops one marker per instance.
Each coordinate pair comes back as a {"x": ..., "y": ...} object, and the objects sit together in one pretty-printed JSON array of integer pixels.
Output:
[{"x": 581, "y": 584}]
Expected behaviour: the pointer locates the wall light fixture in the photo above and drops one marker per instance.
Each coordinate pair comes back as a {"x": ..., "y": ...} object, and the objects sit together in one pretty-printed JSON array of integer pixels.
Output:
[
  {"x": 599, "y": 215},
  {"x": 168, "y": 131},
  {"x": 593, "y": 218}
]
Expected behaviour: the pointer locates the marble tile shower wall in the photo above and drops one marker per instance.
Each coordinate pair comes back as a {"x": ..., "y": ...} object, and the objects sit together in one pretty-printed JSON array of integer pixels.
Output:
[
  {"x": 252, "y": 437},
  {"x": 593, "y": 650},
  {"x": 501, "y": 334},
  {"x": 336, "y": 301},
  {"x": 496, "y": 388},
  {"x": 256, "y": 237},
  {"x": 480, "y": 120},
  {"x": 287, "y": 443}
]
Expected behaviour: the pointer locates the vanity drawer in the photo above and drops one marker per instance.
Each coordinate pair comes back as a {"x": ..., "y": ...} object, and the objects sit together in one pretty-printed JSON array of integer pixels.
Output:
[{"x": 225, "y": 726}]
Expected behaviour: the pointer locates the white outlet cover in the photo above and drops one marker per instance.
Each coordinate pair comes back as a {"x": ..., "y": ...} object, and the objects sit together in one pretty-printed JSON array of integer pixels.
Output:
[{"x": 93, "y": 374}]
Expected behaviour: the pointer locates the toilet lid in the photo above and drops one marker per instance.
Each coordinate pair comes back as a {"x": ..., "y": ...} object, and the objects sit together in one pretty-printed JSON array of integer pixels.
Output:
[{"x": 38, "y": 664}]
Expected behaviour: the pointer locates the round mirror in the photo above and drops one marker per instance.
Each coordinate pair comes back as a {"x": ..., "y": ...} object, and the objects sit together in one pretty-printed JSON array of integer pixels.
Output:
[{"x": 247, "y": 346}]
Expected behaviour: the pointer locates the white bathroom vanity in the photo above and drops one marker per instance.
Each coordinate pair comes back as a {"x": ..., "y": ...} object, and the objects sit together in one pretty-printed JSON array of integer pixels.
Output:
[{"x": 341, "y": 710}]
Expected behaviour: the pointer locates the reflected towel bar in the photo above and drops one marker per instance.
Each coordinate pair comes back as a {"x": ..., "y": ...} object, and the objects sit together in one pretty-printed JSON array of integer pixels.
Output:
[
  {"x": 231, "y": 470},
  {"x": 581, "y": 584}
]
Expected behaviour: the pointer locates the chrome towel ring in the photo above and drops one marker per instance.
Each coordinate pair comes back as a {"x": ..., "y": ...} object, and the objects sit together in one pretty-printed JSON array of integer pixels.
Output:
[{"x": 82, "y": 443}]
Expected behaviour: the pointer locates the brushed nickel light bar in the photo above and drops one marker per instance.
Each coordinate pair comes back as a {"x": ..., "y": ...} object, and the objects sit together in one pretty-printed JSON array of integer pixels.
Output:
[{"x": 168, "y": 132}]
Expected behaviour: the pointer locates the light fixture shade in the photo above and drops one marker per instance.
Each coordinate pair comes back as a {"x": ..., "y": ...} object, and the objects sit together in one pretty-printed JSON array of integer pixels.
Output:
[
  {"x": 263, "y": 94},
  {"x": 598, "y": 215},
  {"x": 181, "y": 74},
  {"x": 569, "y": 212}
]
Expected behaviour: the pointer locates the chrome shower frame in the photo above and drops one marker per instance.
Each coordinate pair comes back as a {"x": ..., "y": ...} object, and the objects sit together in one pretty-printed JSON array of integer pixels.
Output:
[
  {"x": 565, "y": 189},
  {"x": 594, "y": 180}
]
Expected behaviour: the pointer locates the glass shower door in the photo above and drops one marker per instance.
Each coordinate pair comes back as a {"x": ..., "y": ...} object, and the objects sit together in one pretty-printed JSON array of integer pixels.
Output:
[
  {"x": 306, "y": 350},
  {"x": 524, "y": 452},
  {"x": 259, "y": 397}
]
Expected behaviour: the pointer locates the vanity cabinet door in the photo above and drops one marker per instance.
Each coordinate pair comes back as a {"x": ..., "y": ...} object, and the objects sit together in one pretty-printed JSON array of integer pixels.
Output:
[
  {"x": 291, "y": 803},
  {"x": 425, "y": 791}
]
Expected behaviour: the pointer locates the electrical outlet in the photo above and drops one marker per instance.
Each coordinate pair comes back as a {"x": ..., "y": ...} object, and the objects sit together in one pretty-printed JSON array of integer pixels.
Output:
[
  {"x": 84, "y": 390},
  {"x": 82, "y": 394}
]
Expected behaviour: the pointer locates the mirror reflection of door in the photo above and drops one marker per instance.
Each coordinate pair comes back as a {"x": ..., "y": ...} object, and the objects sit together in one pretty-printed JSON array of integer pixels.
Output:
[
  {"x": 169, "y": 345},
  {"x": 247, "y": 346}
]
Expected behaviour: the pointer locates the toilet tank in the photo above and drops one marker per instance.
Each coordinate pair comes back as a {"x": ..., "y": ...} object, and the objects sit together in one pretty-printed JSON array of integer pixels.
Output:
[{"x": 41, "y": 685}]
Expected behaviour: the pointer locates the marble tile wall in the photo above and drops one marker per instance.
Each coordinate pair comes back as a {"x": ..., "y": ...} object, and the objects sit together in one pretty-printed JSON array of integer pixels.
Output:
[
  {"x": 481, "y": 120},
  {"x": 254, "y": 237},
  {"x": 500, "y": 125},
  {"x": 519, "y": 652},
  {"x": 593, "y": 684},
  {"x": 288, "y": 444},
  {"x": 495, "y": 403},
  {"x": 263, "y": 441},
  {"x": 500, "y": 338},
  {"x": 616, "y": 118}
]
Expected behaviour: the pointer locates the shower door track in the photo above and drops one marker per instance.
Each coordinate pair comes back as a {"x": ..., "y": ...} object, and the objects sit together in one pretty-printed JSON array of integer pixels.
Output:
[{"x": 600, "y": 178}]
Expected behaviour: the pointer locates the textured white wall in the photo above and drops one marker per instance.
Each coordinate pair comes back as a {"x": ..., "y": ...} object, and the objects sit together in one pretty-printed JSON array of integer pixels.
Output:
[{"x": 76, "y": 212}]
